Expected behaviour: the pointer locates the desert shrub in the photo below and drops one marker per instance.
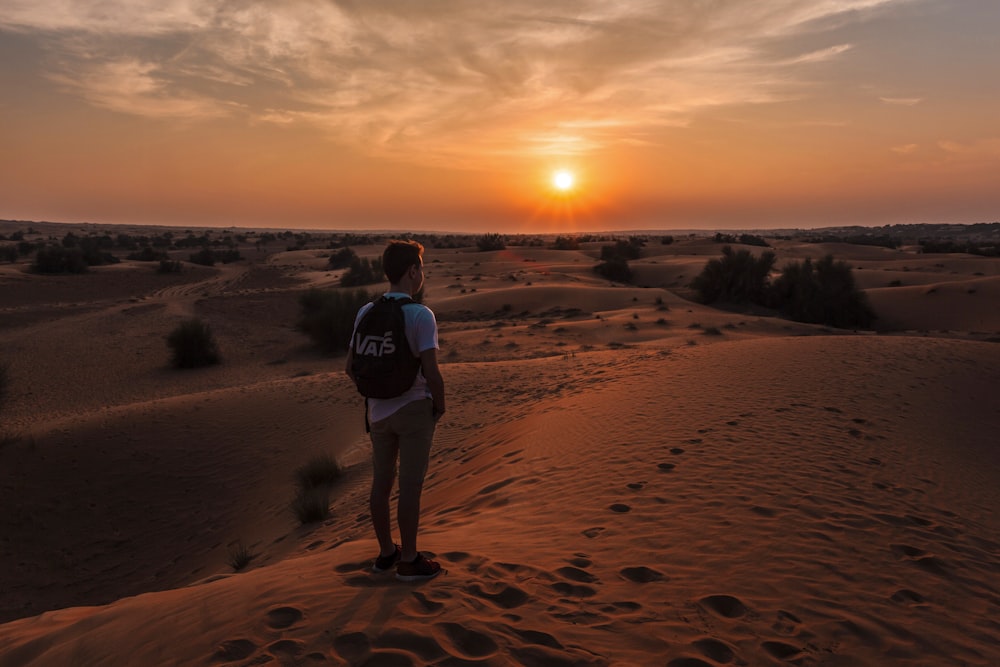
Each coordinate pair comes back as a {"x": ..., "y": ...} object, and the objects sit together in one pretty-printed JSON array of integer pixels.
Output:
[
  {"x": 666, "y": 240},
  {"x": 147, "y": 254},
  {"x": 738, "y": 277},
  {"x": 320, "y": 471},
  {"x": 193, "y": 345},
  {"x": 824, "y": 293},
  {"x": 630, "y": 249},
  {"x": 9, "y": 253},
  {"x": 616, "y": 269},
  {"x": 59, "y": 259},
  {"x": 566, "y": 243},
  {"x": 312, "y": 504},
  {"x": 240, "y": 556},
  {"x": 169, "y": 266},
  {"x": 327, "y": 317},
  {"x": 363, "y": 271},
  {"x": 205, "y": 257},
  {"x": 208, "y": 257},
  {"x": 341, "y": 259},
  {"x": 492, "y": 241}
]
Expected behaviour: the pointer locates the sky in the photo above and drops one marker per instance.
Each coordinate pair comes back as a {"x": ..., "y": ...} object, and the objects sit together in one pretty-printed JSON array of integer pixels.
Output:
[{"x": 453, "y": 115}]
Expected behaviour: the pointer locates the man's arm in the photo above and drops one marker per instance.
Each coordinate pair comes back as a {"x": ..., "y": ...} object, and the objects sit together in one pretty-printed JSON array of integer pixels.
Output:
[{"x": 429, "y": 367}]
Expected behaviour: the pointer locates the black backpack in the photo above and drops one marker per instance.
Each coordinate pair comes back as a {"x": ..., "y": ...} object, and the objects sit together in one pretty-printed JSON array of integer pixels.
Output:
[{"x": 382, "y": 363}]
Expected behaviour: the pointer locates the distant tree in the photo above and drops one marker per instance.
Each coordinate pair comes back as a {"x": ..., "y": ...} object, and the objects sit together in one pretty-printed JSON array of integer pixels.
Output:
[
  {"x": 488, "y": 242},
  {"x": 341, "y": 259},
  {"x": 363, "y": 271},
  {"x": 566, "y": 243},
  {"x": 824, "y": 293},
  {"x": 169, "y": 266},
  {"x": 738, "y": 277},
  {"x": 59, "y": 259},
  {"x": 615, "y": 268}
]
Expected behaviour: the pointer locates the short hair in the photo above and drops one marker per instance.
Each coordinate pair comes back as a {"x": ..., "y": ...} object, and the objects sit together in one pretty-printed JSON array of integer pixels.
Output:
[{"x": 399, "y": 256}]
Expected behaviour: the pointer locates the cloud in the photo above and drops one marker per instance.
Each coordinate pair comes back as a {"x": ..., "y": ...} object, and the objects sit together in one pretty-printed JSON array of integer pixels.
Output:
[
  {"x": 442, "y": 80},
  {"x": 902, "y": 101},
  {"x": 905, "y": 149}
]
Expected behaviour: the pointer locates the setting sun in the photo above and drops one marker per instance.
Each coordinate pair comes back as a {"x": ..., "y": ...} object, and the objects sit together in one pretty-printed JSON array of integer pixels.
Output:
[{"x": 563, "y": 180}]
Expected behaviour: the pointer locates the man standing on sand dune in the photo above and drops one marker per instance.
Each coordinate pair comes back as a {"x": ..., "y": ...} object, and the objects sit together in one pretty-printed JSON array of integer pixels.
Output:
[{"x": 401, "y": 426}]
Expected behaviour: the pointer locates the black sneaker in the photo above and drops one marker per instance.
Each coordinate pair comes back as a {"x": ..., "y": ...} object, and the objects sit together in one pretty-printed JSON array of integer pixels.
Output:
[
  {"x": 384, "y": 563},
  {"x": 417, "y": 570}
]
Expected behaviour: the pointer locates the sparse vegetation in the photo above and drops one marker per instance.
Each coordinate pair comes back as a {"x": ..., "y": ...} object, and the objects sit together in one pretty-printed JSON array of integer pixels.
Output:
[
  {"x": 240, "y": 556},
  {"x": 193, "y": 345},
  {"x": 488, "y": 242},
  {"x": 824, "y": 293},
  {"x": 820, "y": 293},
  {"x": 58, "y": 259},
  {"x": 315, "y": 484},
  {"x": 738, "y": 277},
  {"x": 169, "y": 266},
  {"x": 363, "y": 271},
  {"x": 327, "y": 317},
  {"x": 341, "y": 259}
]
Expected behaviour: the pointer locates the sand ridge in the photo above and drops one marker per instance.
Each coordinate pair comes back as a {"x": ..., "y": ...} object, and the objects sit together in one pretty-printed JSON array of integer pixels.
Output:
[{"x": 624, "y": 477}]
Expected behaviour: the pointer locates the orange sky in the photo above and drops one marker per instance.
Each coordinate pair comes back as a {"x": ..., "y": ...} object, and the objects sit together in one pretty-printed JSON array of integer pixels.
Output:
[{"x": 452, "y": 115}]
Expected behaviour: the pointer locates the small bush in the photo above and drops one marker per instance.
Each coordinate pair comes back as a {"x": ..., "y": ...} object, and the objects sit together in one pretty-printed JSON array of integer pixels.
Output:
[
  {"x": 738, "y": 277},
  {"x": 616, "y": 269},
  {"x": 58, "y": 259},
  {"x": 312, "y": 504},
  {"x": 363, "y": 271},
  {"x": 147, "y": 254},
  {"x": 193, "y": 345},
  {"x": 327, "y": 317},
  {"x": 566, "y": 243},
  {"x": 341, "y": 259},
  {"x": 320, "y": 471},
  {"x": 824, "y": 293},
  {"x": 169, "y": 266},
  {"x": 240, "y": 556},
  {"x": 488, "y": 242}
]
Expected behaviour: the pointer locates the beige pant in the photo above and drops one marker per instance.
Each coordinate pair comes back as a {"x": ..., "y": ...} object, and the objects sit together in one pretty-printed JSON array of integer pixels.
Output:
[{"x": 405, "y": 435}]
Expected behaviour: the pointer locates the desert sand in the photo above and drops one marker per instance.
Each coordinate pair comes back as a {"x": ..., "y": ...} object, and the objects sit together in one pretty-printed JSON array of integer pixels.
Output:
[{"x": 624, "y": 476}]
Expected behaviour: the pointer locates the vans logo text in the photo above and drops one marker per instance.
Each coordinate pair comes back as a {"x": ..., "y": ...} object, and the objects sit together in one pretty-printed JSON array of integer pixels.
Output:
[{"x": 376, "y": 346}]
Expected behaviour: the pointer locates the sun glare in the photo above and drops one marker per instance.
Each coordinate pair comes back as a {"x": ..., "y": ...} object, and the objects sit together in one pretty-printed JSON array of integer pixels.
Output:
[{"x": 563, "y": 180}]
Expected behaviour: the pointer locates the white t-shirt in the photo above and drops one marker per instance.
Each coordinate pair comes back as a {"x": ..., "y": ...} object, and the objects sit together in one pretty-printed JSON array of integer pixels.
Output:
[{"x": 422, "y": 335}]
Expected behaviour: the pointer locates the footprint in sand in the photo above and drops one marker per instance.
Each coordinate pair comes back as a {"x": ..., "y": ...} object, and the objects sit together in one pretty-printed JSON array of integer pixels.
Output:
[
  {"x": 620, "y": 508},
  {"x": 283, "y": 617},
  {"x": 636, "y": 486},
  {"x": 666, "y": 467},
  {"x": 641, "y": 574},
  {"x": 424, "y": 606},
  {"x": 714, "y": 649},
  {"x": 781, "y": 650},
  {"x": 593, "y": 532},
  {"x": 467, "y": 642},
  {"x": 726, "y": 606},
  {"x": 352, "y": 646},
  {"x": 787, "y": 623},
  {"x": 286, "y": 648},
  {"x": 576, "y": 574}
]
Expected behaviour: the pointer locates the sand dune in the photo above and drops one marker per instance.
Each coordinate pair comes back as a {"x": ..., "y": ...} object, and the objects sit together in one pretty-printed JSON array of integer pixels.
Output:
[{"x": 624, "y": 477}]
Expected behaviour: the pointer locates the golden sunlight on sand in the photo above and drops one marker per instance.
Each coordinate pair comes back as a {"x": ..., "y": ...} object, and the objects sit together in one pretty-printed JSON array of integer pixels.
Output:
[{"x": 624, "y": 476}]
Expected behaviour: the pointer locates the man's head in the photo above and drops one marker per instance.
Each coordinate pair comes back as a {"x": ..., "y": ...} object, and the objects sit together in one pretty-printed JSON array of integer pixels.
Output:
[{"x": 402, "y": 259}]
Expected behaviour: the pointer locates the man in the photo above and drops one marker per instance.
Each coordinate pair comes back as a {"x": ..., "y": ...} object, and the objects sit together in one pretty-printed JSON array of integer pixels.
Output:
[{"x": 402, "y": 428}]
